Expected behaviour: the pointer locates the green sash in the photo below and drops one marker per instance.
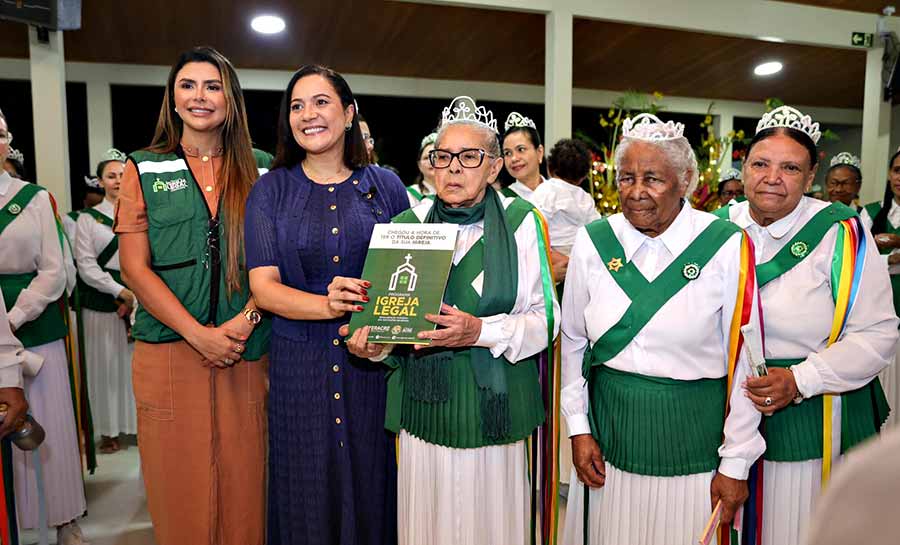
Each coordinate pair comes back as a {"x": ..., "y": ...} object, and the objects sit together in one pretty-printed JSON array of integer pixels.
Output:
[
  {"x": 873, "y": 209},
  {"x": 507, "y": 192},
  {"x": 51, "y": 324},
  {"x": 88, "y": 296},
  {"x": 647, "y": 297},
  {"x": 803, "y": 243},
  {"x": 415, "y": 192},
  {"x": 794, "y": 433}
]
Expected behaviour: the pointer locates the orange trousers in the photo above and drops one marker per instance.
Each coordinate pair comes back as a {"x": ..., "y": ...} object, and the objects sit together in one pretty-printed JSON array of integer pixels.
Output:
[{"x": 202, "y": 439}]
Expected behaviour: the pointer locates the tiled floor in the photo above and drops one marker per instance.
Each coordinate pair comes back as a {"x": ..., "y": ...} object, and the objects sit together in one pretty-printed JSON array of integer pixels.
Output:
[{"x": 117, "y": 511}]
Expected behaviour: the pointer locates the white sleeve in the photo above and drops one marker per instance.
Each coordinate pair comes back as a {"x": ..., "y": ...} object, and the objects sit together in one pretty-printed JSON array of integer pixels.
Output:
[
  {"x": 575, "y": 341},
  {"x": 869, "y": 340},
  {"x": 523, "y": 332},
  {"x": 88, "y": 268},
  {"x": 743, "y": 443},
  {"x": 12, "y": 354},
  {"x": 50, "y": 282}
]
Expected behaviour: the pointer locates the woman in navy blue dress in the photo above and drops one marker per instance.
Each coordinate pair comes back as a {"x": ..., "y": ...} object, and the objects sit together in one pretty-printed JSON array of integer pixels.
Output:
[{"x": 332, "y": 465}]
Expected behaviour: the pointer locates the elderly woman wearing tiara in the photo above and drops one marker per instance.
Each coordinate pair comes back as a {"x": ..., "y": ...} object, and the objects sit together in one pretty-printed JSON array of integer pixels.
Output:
[
  {"x": 844, "y": 179},
  {"x": 464, "y": 406},
  {"x": 731, "y": 188},
  {"x": 830, "y": 326},
  {"x": 424, "y": 185},
  {"x": 662, "y": 432},
  {"x": 106, "y": 306}
]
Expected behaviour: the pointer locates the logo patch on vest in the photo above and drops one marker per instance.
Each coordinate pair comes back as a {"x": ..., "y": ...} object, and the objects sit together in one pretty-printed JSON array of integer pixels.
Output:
[{"x": 170, "y": 186}]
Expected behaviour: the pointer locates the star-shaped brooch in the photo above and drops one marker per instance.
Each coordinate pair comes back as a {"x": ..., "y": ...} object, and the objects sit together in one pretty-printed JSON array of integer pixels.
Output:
[{"x": 615, "y": 264}]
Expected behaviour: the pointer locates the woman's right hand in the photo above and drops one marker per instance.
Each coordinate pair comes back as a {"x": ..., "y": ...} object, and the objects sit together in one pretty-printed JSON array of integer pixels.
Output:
[
  {"x": 216, "y": 345},
  {"x": 344, "y": 293},
  {"x": 887, "y": 241}
]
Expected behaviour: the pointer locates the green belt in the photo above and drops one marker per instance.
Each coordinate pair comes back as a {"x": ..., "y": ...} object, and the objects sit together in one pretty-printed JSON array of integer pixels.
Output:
[
  {"x": 48, "y": 327},
  {"x": 95, "y": 299},
  {"x": 794, "y": 433},
  {"x": 657, "y": 426}
]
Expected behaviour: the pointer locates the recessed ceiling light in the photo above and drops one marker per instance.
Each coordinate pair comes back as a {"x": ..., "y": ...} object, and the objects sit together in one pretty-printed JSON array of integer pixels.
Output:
[
  {"x": 773, "y": 39},
  {"x": 267, "y": 24},
  {"x": 768, "y": 68}
]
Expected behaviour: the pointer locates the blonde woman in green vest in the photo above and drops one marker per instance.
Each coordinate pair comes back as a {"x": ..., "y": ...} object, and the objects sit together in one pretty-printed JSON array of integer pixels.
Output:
[
  {"x": 883, "y": 220},
  {"x": 199, "y": 368},
  {"x": 106, "y": 305},
  {"x": 33, "y": 279}
]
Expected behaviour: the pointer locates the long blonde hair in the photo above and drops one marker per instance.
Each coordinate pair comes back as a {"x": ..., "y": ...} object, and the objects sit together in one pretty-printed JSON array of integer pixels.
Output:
[{"x": 239, "y": 165}]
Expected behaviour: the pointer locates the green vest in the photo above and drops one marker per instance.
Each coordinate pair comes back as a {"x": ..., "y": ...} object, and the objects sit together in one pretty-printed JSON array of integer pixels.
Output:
[
  {"x": 455, "y": 421},
  {"x": 51, "y": 324},
  {"x": 188, "y": 251},
  {"x": 88, "y": 296},
  {"x": 635, "y": 417},
  {"x": 873, "y": 209}
]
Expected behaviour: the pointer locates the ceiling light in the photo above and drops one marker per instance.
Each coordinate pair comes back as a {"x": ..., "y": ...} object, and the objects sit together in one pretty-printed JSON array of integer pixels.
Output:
[
  {"x": 267, "y": 24},
  {"x": 773, "y": 39},
  {"x": 768, "y": 68}
]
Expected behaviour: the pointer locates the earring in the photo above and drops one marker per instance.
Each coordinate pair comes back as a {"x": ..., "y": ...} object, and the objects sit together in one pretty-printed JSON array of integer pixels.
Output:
[
  {"x": 348, "y": 127},
  {"x": 176, "y": 110}
]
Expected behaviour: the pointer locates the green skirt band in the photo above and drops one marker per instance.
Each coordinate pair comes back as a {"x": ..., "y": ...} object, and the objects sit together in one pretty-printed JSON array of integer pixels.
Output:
[
  {"x": 657, "y": 426},
  {"x": 456, "y": 420},
  {"x": 96, "y": 300},
  {"x": 49, "y": 326},
  {"x": 794, "y": 434}
]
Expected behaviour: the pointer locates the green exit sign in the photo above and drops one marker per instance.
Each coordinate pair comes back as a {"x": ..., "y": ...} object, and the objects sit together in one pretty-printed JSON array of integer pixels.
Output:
[{"x": 861, "y": 39}]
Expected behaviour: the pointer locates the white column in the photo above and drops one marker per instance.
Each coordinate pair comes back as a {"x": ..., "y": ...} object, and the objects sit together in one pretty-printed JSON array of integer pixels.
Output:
[
  {"x": 725, "y": 124},
  {"x": 558, "y": 78},
  {"x": 876, "y": 130},
  {"x": 99, "y": 111},
  {"x": 48, "y": 103}
]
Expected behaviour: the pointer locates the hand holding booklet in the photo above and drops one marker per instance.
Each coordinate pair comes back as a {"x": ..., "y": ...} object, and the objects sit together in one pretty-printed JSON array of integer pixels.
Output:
[{"x": 408, "y": 265}]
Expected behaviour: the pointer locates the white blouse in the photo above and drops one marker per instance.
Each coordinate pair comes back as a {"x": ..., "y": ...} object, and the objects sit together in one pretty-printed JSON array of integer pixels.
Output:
[
  {"x": 894, "y": 219},
  {"x": 523, "y": 332},
  {"x": 31, "y": 244},
  {"x": 523, "y": 190},
  {"x": 799, "y": 308},
  {"x": 91, "y": 239},
  {"x": 567, "y": 208},
  {"x": 687, "y": 339},
  {"x": 12, "y": 355}
]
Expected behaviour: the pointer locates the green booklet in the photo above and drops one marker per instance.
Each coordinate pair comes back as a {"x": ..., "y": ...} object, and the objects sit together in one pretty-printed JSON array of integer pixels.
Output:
[{"x": 408, "y": 265}]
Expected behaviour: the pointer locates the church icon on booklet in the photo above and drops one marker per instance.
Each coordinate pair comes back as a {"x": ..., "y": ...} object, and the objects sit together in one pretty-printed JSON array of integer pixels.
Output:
[{"x": 404, "y": 277}]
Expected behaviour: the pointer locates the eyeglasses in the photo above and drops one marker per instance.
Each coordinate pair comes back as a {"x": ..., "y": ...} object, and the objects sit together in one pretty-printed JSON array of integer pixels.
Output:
[
  {"x": 840, "y": 183},
  {"x": 6, "y": 137},
  {"x": 468, "y": 158}
]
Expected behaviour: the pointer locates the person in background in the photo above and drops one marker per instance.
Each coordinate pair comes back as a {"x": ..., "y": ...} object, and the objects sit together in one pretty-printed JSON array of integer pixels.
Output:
[
  {"x": 33, "y": 279},
  {"x": 106, "y": 304},
  {"x": 424, "y": 185},
  {"x": 93, "y": 195},
  {"x": 731, "y": 188},
  {"x": 844, "y": 179},
  {"x": 15, "y": 164},
  {"x": 332, "y": 466},
  {"x": 369, "y": 140},
  {"x": 523, "y": 155},
  {"x": 199, "y": 368}
]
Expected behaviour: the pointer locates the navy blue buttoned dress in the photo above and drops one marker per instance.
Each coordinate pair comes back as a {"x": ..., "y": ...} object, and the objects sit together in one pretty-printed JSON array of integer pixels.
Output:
[{"x": 332, "y": 465}]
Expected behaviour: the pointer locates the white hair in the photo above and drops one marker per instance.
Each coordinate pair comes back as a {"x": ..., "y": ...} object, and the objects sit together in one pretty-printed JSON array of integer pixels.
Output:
[
  {"x": 678, "y": 153},
  {"x": 491, "y": 141}
]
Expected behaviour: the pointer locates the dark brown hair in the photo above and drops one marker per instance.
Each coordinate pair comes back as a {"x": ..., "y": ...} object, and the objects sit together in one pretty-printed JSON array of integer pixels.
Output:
[
  {"x": 879, "y": 222},
  {"x": 238, "y": 166},
  {"x": 794, "y": 134},
  {"x": 569, "y": 160},
  {"x": 288, "y": 152}
]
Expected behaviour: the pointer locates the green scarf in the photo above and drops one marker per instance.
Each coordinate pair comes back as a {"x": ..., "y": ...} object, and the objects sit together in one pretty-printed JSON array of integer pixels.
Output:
[{"x": 498, "y": 296}]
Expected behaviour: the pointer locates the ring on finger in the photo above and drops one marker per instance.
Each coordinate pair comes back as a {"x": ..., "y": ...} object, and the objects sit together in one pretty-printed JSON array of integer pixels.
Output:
[
  {"x": 228, "y": 361},
  {"x": 768, "y": 401},
  {"x": 239, "y": 348}
]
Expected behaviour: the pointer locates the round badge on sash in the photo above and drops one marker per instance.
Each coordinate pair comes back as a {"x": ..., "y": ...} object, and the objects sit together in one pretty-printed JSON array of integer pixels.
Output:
[
  {"x": 691, "y": 271},
  {"x": 799, "y": 249},
  {"x": 14, "y": 209}
]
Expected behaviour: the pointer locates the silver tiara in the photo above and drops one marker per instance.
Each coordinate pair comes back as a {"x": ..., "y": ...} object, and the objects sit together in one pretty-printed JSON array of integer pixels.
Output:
[
  {"x": 112, "y": 154},
  {"x": 792, "y": 118},
  {"x": 428, "y": 140},
  {"x": 91, "y": 181},
  {"x": 649, "y": 127},
  {"x": 463, "y": 108},
  {"x": 730, "y": 174},
  {"x": 16, "y": 155},
  {"x": 846, "y": 158},
  {"x": 517, "y": 120}
]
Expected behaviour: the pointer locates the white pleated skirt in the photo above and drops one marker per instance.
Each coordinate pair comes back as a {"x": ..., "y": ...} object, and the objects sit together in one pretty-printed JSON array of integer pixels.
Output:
[
  {"x": 790, "y": 491},
  {"x": 108, "y": 359},
  {"x": 634, "y": 509},
  {"x": 890, "y": 382},
  {"x": 50, "y": 400},
  {"x": 451, "y": 496}
]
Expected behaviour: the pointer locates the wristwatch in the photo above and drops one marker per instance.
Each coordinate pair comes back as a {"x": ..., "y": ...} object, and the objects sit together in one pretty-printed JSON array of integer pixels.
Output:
[{"x": 253, "y": 316}]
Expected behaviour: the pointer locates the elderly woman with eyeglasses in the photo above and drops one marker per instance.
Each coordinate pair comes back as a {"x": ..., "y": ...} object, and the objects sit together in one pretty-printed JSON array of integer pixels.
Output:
[
  {"x": 464, "y": 405},
  {"x": 830, "y": 327},
  {"x": 657, "y": 310}
]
